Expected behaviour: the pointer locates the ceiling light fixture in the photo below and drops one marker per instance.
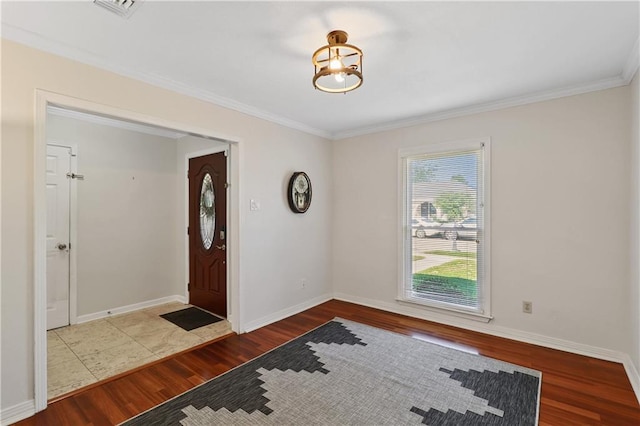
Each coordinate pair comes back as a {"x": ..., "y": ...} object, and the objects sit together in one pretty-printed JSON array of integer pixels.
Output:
[{"x": 337, "y": 66}]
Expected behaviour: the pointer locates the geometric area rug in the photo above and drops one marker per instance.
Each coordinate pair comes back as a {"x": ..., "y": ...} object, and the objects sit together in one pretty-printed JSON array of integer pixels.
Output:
[{"x": 346, "y": 373}]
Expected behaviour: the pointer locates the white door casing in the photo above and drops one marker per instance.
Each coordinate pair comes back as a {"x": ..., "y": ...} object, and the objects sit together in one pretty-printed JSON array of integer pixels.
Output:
[
  {"x": 58, "y": 164},
  {"x": 44, "y": 100}
]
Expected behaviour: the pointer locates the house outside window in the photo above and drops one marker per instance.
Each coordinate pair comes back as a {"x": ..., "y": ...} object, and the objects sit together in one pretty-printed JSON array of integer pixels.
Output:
[{"x": 444, "y": 259}]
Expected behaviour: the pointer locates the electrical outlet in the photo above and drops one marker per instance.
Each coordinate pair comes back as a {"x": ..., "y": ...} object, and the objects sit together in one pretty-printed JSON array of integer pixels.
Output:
[{"x": 527, "y": 307}]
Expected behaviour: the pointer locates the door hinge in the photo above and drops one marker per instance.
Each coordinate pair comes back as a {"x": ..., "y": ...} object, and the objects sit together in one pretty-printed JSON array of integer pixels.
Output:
[
  {"x": 188, "y": 286},
  {"x": 187, "y": 230}
]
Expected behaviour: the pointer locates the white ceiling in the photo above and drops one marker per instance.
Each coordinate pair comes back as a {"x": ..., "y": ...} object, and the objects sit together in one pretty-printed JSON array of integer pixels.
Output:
[{"x": 422, "y": 60}]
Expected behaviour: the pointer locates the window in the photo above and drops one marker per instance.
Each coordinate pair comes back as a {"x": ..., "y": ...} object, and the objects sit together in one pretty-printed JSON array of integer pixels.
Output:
[
  {"x": 444, "y": 229},
  {"x": 207, "y": 212}
]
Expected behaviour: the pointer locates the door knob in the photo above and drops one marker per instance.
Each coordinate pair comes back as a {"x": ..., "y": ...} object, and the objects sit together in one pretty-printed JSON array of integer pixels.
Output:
[
  {"x": 222, "y": 247},
  {"x": 62, "y": 246}
]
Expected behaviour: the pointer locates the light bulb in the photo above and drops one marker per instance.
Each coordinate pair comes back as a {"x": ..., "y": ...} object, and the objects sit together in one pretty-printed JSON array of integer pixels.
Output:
[{"x": 335, "y": 63}]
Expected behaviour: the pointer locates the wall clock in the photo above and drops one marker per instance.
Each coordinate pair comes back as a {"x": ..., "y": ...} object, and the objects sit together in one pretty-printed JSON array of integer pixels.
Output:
[{"x": 299, "y": 192}]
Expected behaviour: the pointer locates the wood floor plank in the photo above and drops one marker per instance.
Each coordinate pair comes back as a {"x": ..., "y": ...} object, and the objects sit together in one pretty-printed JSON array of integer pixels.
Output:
[{"x": 576, "y": 390}]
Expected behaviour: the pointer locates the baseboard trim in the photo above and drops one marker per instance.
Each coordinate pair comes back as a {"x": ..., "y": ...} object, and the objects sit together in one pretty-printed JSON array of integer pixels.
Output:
[
  {"x": 130, "y": 308},
  {"x": 509, "y": 333},
  {"x": 284, "y": 313},
  {"x": 18, "y": 412},
  {"x": 633, "y": 375}
]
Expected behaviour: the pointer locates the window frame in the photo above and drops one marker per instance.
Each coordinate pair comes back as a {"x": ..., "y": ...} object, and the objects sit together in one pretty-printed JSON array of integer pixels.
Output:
[{"x": 405, "y": 255}]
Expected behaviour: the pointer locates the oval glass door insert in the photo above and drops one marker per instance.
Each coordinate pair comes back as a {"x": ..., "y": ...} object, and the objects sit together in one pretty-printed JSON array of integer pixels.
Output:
[{"x": 207, "y": 212}]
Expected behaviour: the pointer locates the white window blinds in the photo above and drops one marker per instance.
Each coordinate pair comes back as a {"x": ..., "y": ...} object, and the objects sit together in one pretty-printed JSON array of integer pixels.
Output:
[{"x": 444, "y": 228}]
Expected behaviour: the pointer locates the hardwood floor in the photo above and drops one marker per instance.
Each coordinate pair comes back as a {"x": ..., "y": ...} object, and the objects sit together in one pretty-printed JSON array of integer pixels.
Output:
[{"x": 576, "y": 390}]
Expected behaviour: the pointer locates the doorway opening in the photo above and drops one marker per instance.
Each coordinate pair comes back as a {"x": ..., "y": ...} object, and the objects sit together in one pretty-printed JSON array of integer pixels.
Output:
[{"x": 45, "y": 101}]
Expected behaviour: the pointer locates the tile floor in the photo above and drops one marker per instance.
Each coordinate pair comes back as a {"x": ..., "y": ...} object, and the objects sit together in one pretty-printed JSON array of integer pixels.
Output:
[{"x": 79, "y": 355}]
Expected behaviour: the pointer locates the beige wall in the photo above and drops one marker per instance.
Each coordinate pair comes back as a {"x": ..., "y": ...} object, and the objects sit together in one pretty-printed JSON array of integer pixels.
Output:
[
  {"x": 559, "y": 216},
  {"x": 634, "y": 259},
  {"x": 273, "y": 256}
]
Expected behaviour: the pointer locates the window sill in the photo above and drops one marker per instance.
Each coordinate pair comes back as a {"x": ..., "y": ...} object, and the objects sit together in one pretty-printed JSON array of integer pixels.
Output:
[{"x": 445, "y": 310}]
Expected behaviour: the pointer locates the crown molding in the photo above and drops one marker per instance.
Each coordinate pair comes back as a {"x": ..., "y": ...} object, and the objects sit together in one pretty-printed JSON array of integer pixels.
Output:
[
  {"x": 105, "y": 121},
  {"x": 36, "y": 41},
  {"x": 228, "y": 103},
  {"x": 39, "y": 42},
  {"x": 485, "y": 107},
  {"x": 633, "y": 61}
]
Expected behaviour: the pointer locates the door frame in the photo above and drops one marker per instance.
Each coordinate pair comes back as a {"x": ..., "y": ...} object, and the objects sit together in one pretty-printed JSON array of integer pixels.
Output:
[
  {"x": 73, "y": 230},
  {"x": 187, "y": 157},
  {"x": 44, "y": 99}
]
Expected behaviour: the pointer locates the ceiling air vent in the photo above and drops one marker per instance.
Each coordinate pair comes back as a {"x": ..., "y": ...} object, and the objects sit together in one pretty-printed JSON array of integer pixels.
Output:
[{"x": 122, "y": 8}]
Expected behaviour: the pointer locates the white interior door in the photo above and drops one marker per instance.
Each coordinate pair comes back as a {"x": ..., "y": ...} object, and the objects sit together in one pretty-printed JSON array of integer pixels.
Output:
[{"x": 58, "y": 241}]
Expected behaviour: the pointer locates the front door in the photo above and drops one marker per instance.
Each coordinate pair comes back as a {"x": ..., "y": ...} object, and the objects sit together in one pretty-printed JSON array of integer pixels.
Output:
[
  {"x": 207, "y": 232},
  {"x": 57, "y": 166}
]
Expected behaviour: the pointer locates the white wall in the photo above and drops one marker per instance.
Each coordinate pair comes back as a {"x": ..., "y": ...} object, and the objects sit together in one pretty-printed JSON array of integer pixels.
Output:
[
  {"x": 288, "y": 246},
  {"x": 277, "y": 247},
  {"x": 126, "y": 213},
  {"x": 634, "y": 258},
  {"x": 560, "y": 216}
]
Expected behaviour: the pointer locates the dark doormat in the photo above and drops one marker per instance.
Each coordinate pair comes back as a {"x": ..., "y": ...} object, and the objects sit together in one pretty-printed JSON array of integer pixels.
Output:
[{"x": 191, "y": 318}]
